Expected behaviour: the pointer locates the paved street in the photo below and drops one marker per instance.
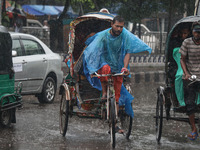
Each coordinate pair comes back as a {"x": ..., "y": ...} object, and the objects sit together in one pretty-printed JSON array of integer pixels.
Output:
[{"x": 37, "y": 127}]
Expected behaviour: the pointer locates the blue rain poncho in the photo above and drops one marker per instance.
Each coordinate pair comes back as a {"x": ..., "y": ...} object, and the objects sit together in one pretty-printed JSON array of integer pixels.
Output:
[{"x": 102, "y": 49}]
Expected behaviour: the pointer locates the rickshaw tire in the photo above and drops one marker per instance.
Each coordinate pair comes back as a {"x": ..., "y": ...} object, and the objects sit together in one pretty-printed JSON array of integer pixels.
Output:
[
  {"x": 8, "y": 121},
  {"x": 129, "y": 128},
  {"x": 159, "y": 117},
  {"x": 126, "y": 122},
  {"x": 113, "y": 122},
  {"x": 66, "y": 119},
  {"x": 42, "y": 97}
]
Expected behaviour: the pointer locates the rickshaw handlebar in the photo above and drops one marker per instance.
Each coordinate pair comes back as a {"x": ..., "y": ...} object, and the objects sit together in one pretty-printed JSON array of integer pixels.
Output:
[
  {"x": 106, "y": 75},
  {"x": 194, "y": 78}
]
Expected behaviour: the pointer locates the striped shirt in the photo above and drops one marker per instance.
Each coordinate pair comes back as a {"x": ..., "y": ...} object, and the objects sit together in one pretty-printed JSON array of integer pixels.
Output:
[{"x": 192, "y": 53}]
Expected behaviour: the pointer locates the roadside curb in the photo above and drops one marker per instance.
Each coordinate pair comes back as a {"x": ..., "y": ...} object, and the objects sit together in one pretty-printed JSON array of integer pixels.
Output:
[
  {"x": 138, "y": 77},
  {"x": 148, "y": 77}
]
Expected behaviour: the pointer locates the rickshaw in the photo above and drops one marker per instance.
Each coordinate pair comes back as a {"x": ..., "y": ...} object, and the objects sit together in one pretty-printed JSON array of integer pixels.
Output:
[
  {"x": 10, "y": 97},
  {"x": 170, "y": 97},
  {"x": 78, "y": 96}
]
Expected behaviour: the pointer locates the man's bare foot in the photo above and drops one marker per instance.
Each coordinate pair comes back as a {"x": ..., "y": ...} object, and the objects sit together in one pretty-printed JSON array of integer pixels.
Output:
[
  {"x": 118, "y": 130},
  {"x": 193, "y": 135}
]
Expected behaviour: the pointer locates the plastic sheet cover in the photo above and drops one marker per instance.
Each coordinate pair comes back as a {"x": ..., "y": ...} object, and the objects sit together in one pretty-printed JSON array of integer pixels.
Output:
[{"x": 103, "y": 48}]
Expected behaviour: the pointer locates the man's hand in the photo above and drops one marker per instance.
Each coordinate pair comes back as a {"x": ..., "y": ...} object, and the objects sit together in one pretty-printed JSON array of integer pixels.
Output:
[
  {"x": 187, "y": 76},
  {"x": 184, "y": 67},
  {"x": 125, "y": 70}
]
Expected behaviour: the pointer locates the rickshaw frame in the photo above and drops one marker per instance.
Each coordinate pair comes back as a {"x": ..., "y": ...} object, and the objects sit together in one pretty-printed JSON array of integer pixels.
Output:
[
  {"x": 70, "y": 90},
  {"x": 166, "y": 94}
]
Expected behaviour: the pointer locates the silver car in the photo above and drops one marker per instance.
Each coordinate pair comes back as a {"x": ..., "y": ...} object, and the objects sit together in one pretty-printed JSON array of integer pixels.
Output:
[{"x": 36, "y": 66}]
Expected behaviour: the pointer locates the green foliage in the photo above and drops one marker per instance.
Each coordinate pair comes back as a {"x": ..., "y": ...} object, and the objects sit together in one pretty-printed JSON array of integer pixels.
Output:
[
  {"x": 86, "y": 4},
  {"x": 138, "y": 9},
  {"x": 178, "y": 6},
  {"x": 131, "y": 10},
  {"x": 93, "y": 5},
  {"x": 5, "y": 20}
]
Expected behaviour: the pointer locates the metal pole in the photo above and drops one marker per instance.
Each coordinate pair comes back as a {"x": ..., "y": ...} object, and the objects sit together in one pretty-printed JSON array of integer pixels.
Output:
[
  {"x": 0, "y": 12},
  {"x": 196, "y": 10},
  {"x": 160, "y": 22}
]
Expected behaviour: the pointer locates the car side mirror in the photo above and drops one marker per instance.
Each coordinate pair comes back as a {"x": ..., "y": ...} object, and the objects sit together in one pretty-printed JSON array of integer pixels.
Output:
[{"x": 14, "y": 53}]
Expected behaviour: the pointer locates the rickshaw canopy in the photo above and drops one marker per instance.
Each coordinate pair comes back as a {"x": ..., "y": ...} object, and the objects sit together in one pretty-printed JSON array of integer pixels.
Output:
[
  {"x": 83, "y": 26},
  {"x": 174, "y": 71},
  {"x": 187, "y": 20}
]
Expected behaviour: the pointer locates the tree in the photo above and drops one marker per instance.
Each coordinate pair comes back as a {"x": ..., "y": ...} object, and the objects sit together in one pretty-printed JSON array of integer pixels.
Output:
[
  {"x": 180, "y": 8},
  {"x": 135, "y": 11},
  {"x": 82, "y": 5},
  {"x": 67, "y": 4}
]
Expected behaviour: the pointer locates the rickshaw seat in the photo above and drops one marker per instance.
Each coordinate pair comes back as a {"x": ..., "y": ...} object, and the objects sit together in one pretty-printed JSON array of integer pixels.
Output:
[{"x": 178, "y": 79}]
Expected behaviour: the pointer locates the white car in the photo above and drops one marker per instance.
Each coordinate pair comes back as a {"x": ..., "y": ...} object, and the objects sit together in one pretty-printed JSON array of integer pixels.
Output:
[
  {"x": 36, "y": 66},
  {"x": 33, "y": 23}
]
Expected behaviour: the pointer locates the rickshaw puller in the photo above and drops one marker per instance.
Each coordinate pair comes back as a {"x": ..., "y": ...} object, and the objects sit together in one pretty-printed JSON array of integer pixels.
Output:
[
  {"x": 190, "y": 60},
  {"x": 109, "y": 51}
]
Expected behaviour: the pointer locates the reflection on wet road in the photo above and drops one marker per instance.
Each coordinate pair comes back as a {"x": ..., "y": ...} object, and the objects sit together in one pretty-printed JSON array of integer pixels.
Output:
[{"x": 37, "y": 128}]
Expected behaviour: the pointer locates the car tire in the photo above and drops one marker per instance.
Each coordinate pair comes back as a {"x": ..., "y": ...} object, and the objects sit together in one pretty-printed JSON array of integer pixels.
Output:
[{"x": 48, "y": 91}]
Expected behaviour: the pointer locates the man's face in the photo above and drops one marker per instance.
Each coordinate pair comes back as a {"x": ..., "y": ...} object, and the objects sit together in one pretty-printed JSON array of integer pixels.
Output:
[
  {"x": 185, "y": 33},
  {"x": 117, "y": 28},
  {"x": 196, "y": 35}
]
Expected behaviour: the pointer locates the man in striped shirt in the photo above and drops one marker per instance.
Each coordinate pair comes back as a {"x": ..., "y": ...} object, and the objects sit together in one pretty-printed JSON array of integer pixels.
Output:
[{"x": 190, "y": 63}]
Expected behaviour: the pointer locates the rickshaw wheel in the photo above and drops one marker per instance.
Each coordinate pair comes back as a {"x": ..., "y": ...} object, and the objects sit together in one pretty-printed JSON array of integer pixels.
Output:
[
  {"x": 126, "y": 122},
  {"x": 5, "y": 117},
  {"x": 159, "y": 117},
  {"x": 113, "y": 121},
  {"x": 48, "y": 91},
  {"x": 64, "y": 114}
]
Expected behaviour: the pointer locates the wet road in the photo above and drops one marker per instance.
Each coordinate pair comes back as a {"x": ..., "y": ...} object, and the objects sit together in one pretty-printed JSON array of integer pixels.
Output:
[{"x": 37, "y": 128}]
